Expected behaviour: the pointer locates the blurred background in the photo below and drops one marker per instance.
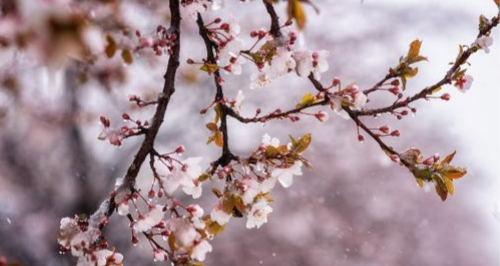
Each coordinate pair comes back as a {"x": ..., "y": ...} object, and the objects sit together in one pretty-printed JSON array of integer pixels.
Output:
[{"x": 354, "y": 208}]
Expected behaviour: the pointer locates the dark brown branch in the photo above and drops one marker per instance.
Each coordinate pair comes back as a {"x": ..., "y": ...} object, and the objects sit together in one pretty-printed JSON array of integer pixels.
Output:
[
  {"x": 275, "y": 24},
  {"x": 274, "y": 115},
  {"x": 447, "y": 79},
  {"x": 226, "y": 156},
  {"x": 380, "y": 83},
  {"x": 161, "y": 108}
]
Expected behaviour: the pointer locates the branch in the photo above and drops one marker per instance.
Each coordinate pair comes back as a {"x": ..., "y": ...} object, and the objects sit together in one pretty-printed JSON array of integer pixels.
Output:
[
  {"x": 227, "y": 156},
  {"x": 447, "y": 79},
  {"x": 163, "y": 101},
  {"x": 275, "y": 24},
  {"x": 274, "y": 115}
]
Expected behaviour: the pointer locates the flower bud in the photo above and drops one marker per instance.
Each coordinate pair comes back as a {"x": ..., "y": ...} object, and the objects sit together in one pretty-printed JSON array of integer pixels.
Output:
[
  {"x": 445, "y": 97},
  {"x": 181, "y": 149},
  {"x": 396, "y": 133}
]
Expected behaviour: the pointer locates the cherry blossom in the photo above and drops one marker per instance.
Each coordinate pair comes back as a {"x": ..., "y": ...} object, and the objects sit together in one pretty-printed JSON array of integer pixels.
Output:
[
  {"x": 123, "y": 208},
  {"x": 200, "y": 250},
  {"x": 311, "y": 62},
  {"x": 260, "y": 79},
  {"x": 184, "y": 232},
  {"x": 160, "y": 255},
  {"x": 484, "y": 42},
  {"x": 464, "y": 83},
  {"x": 150, "y": 219},
  {"x": 282, "y": 63},
  {"x": 257, "y": 216},
  {"x": 252, "y": 189},
  {"x": 185, "y": 177},
  {"x": 285, "y": 175},
  {"x": 269, "y": 141},
  {"x": 238, "y": 103},
  {"x": 219, "y": 215}
]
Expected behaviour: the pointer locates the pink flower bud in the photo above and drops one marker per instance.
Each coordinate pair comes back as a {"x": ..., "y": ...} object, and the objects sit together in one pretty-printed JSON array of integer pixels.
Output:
[
  {"x": 336, "y": 81},
  {"x": 396, "y": 133},
  {"x": 446, "y": 97},
  {"x": 321, "y": 116},
  {"x": 181, "y": 149},
  {"x": 395, "y": 158},
  {"x": 361, "y": 138},
  {"x": 145, "y": 42},
  {"x": 395, "y": 82},
  {"x": 125, "y": 116},
  {"x": 105, "y": 122},
  {"x": 385, "y": 129}
]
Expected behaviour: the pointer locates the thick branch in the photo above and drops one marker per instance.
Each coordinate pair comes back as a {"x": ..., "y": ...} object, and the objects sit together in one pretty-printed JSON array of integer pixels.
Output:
[
  {"x": 275, "y": 24},
  {"x": 163, "y": 100}
]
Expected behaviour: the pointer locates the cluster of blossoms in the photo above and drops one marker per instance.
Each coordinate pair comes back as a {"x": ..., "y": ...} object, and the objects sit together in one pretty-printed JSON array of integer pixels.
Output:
[
  {"x": 83, "y": 238},
  {"x": 116, "y": 136},
  {"x": 161, "y": 42},
  {"x": 246, "y": 193},
  {"x": 249, "y": 194},
  {"x": 180, "y": 233}
]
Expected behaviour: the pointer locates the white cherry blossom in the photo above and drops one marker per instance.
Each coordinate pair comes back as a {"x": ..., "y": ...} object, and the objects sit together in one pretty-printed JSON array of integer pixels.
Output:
[
  {"x": 464, "y": 83},
  {"x": 269, "y": 141},
  {"x": 260, "y": 79},
  {"x": 320, "y": 64},
  {"x": 219, "y": 215},
  {"x": 252, "y": 189},
  {"x": 160, "y": 255},
  {"x": 282, "y": 63},
  {"x": 303, "y": 60},
  {"x": 285, "y": 175},
  {"x": 239, "y": 101},
  {"x": 257, "y": 216},
  {"x": 184, "y": 232},
  {"x": 150, "y": 219},
  {"x": 200, "y": 250},
  {"x": 484, "y": 42}
]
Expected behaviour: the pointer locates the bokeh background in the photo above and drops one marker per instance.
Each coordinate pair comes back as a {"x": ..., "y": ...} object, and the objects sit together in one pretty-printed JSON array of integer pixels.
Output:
[{"x": 354, "y": 208}]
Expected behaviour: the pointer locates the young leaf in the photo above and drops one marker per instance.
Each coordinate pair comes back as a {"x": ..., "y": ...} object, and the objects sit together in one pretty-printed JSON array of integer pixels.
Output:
[
  {"x": 448, "y": 158},
  {"x": 209, "y": 68},
  {"x": 296, "y": 11},
  {"x": 213, "y": 227},
  {"x": 212, "y": 127},
  {"x": 307, "y": 100},
  {"x": 219, "y": 140},
  {"x": 111, "y": 47},
  {"x": 127, "y": 56},
  {"x": 304, "y": 143}
]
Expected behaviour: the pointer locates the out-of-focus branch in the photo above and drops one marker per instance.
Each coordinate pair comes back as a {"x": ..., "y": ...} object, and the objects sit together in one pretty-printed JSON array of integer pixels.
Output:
[{"x": 447, "y": 79}]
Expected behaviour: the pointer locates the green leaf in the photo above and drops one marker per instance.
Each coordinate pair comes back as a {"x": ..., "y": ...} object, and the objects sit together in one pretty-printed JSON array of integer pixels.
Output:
[
  {"x": 209, "y": 68},
  {"x": 307, "y": 100},
  {"x": 304, "y": 143},
  {"x": 204, "y": 177}
]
